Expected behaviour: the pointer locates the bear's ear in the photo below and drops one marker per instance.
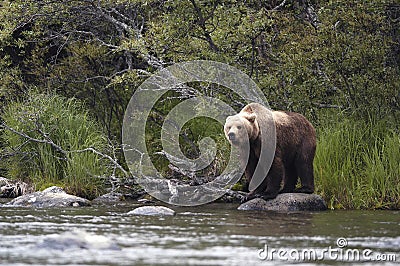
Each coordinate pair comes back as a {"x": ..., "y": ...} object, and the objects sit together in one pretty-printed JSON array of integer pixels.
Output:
[
  {"x": 247, "y": 109},
  {"x": 251, "y": 117}
]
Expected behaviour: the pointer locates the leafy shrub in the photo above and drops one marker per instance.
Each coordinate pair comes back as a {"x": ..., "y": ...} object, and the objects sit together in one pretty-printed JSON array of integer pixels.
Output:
[{"x": 45, "y": 137}]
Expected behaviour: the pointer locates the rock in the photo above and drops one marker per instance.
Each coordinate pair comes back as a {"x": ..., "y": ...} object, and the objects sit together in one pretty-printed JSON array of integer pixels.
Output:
[
  {"x": 232, "y": 196},
  {"x": 13, "y": 189},
  {"x": 145, "y": 201},
  {"x": 54, "y": 189},
  {"x": 111, "y": 197},
  {"x": 286, "y": 202},
  {"x": 3, "y": 181},
  {"x": 152, "y": 210},
  {"x": 50, "y": 197}
]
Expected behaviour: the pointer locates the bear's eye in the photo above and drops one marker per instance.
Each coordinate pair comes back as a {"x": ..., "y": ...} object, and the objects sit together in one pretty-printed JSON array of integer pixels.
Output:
[
  {"x": 229, "y": 128},
  {"x": 239, "y": 127}
]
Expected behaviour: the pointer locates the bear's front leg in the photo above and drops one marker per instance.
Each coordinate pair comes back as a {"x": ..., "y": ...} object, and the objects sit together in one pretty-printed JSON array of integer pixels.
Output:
[
  {"x": 268, "y": 195},
  {"x": 270, "y": 187},
  {"x": 263, "y": 195},
  {"x": 250, "y": 168},
  {"x": 307, "y": 190},
  {"x": 251, "y": 195},
  {"x": 273, "y": 180}
]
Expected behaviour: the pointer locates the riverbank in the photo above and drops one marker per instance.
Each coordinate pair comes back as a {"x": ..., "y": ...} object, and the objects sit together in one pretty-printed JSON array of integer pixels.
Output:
[{"x": 357, "y": 164}]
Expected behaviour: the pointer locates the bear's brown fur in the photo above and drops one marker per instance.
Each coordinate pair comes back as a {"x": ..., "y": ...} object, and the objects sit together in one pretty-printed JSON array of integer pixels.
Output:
[{"x": 294, "y": 152}]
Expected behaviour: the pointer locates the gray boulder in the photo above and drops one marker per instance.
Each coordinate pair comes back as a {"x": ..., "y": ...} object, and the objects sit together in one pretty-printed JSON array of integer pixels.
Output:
[
  {"x": 50, "y": 197},
  {"x": 286, "y": 202},
  {"x": 13, "y": 188},
  {"x": 3, "y": 181},
  {"x": 152, "y": 210},
  {"x": 111, "y": 197}
]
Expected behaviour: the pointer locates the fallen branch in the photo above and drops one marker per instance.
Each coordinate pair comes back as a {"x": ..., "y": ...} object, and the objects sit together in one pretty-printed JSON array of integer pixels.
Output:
[
  {"x": 113, "y": 161},
  {"x": 58, "y": 148},
  {"x": 44, "y": 141}
]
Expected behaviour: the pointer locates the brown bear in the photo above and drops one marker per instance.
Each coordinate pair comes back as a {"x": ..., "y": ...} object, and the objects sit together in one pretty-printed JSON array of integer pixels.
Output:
[{"x": 294, "y": 150}]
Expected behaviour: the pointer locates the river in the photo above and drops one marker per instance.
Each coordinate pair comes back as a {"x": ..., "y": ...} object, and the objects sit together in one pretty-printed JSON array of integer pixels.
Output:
[{"x": 213, "y": 234}]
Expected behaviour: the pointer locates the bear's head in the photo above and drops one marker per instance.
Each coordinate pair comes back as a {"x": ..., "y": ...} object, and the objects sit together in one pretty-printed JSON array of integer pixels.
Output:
[{"x": 241, "y": 128}]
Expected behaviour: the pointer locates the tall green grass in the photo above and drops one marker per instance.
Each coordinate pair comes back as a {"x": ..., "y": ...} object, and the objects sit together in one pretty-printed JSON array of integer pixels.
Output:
[
  {"x": 64, "y": 122},
  {"x": 357, "y": 164}
]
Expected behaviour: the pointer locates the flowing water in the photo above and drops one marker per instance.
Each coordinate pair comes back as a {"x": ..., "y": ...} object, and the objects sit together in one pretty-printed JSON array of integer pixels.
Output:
[{"x": 213, "y": 234}]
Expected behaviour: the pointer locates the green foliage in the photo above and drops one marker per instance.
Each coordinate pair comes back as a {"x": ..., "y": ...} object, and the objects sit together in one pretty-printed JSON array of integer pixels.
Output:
[
  {"x": 355, "y": 44},
  {"x": 44, "y": 138},
  {"x": 357, "y": 164},
  {"x": 305, "y": 55},
  {"x": 192, "y": 132}
]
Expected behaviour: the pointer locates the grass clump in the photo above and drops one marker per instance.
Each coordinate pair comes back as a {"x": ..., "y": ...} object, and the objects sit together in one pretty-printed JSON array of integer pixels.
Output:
[
  {"x": 44, "y": 137},
  {"x": 357, "y": 164}
]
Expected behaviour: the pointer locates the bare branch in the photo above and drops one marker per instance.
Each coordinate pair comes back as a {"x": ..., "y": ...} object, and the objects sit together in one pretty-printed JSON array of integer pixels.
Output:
[
  {"x": 324, "y": 105},
  {"x": 58, "y": 148},
  {"x": 279, "y": 6},
  {"x": 201, "y": 21},
  {"x": 113, "y": 161},
  {"x": 44, "y": 141}
]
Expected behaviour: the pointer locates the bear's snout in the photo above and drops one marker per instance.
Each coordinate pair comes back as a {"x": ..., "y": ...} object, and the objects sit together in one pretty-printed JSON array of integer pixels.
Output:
[{"x": 231, "y": 136}]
